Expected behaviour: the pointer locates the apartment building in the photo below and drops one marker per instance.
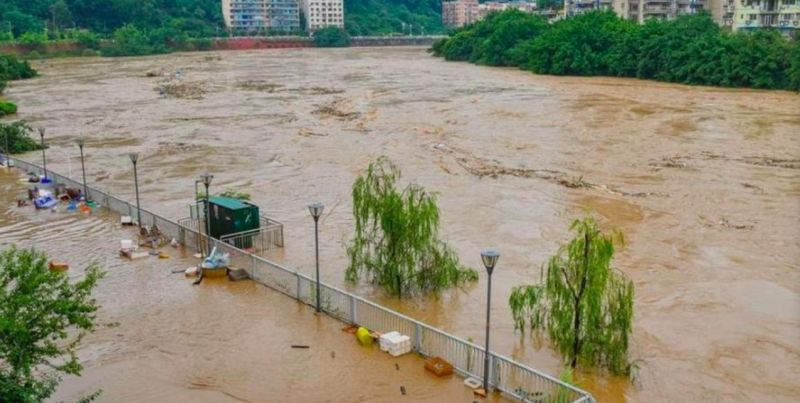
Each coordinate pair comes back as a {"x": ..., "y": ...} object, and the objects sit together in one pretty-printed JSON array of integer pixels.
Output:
[
  {"x": 323, "y": 13},
  {"x": 636, "y": 10},
  {"x": 284, "y": 15},
  {"x": 641, "y": 10},
  {"x": 261, "y": 15},
  {"x": 577, "y": 7},
  {"x": 753, "y": 14},
  {"x": 485, "y": 8},
  {"x": 457, "y": 13},
  {"x": 722, "y": 11}
]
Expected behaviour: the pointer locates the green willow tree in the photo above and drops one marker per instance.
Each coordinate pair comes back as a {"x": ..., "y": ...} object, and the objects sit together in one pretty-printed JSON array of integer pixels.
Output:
[
  {"x": 43, "y": 318},
  {"x": 583, "y": 304},
  {"x": 396, "y": 241}
]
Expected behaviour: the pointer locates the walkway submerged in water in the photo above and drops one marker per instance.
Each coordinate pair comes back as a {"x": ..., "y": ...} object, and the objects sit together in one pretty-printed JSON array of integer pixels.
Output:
[{"x": 510, "y": 377}]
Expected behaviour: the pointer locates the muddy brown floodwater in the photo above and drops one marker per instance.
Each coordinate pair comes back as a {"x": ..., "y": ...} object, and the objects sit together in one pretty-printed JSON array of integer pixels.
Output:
[{"x": 704, "y": 182}]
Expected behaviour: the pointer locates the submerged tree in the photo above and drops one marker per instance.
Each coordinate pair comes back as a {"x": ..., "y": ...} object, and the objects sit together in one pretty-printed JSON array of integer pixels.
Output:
[
  {"x": 42, "y": 319},
  {"x": 396, "y": 240},
  {"x": 583, "y": 304}
]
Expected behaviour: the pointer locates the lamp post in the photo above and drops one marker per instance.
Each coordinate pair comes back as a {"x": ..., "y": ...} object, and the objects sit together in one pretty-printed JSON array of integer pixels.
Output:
[
  {"x": 134, "y": 159},
  {"x": 489, "y": 258},
  {"x": 44, "y": 159},
  {"x": 316, "y": 210},
  {"x": 206, "y": 178},
  {"x": 81, "y": 143}
]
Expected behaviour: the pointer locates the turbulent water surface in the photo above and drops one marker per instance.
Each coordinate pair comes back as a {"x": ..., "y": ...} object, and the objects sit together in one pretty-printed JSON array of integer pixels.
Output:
[{"x": 704, "y": 183}]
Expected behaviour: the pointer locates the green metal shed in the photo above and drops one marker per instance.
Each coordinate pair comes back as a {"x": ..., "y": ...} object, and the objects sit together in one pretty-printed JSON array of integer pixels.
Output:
[{"x": 230, "y": 216}]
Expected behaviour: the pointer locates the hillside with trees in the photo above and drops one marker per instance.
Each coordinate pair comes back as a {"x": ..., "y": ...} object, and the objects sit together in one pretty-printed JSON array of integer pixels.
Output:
[
  {"x": 192, "y": 18},
  {"x": 688, "y": 50}
]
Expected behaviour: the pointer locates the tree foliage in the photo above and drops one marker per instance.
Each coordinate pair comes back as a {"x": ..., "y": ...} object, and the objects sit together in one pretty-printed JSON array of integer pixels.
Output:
[
  {"x": 691, "y": 49},
  {"x": 17, "y": 136},
  {"x": 43, "y": 318},
  {"x": 583, "y": 305},
  {"x": 396, "y": 243},
  {"x": 380, "y": 17},
  {"x": 235, "y": 194},
  {"x": 7, "y": 108},
  {"x": 331, "y": 37}
]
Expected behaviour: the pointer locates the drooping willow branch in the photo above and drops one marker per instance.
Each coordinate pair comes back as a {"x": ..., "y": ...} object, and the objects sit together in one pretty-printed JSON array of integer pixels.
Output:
[
  {"x": 396, "y": 244},
  {"x": 582, "y": 304}
]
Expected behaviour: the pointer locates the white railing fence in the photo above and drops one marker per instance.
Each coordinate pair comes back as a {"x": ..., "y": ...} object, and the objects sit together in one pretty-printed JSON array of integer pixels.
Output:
[{"x": 512, "y": 378}]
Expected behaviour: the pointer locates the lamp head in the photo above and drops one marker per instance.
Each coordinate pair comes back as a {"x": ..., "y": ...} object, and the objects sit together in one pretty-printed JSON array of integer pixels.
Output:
[
  {"x": 490, "y": 257},
  {"x": 41, "y": 132},
  {"x": 80, "y": 141},
  {"x": 206, "y": 179},
  {"x": 316, "y": 209},
  {"x": 134, "y": 157}
]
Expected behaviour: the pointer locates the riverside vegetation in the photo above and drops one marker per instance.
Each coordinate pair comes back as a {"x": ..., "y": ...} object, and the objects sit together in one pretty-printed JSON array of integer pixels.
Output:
[
  {"x": 43, "y": 318},
  {"x": 396, "y": 242},
  {"x": 12, "y": 69},
  {"x": 691, "y": 49},
  {"x": 583, "y": 304}
]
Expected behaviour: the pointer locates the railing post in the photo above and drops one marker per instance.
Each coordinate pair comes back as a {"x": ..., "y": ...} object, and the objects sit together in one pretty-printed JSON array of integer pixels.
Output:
[
  {"x": 297, "y": 276},
  {"x": 353, "y": 310},
  {"x": 418, "y": 337},
  {"x": 494, "y": 371}
]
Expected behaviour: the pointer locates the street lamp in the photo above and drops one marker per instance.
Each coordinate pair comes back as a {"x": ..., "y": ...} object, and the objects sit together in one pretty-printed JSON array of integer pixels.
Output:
[
  {"x": 206, "y": 178},
  {"x": 316, "y": 210},
  {"x": 44, "y": 159},
  {"x": 81, "y": 142},
  {"x": 489, "y": 257},
  {"x": 135, "y": 158}
]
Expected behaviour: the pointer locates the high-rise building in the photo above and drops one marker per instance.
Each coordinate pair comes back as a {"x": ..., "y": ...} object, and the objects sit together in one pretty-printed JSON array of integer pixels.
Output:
[
  {"x": 636, "y": 10},
  {"x": 261, "y": 15},
  {"x": 576, "y": 7},
  {"x": 783, "y": 15},
  {"x": 753, "y": 14},
  {"x": 323, "y": 13},
  {"x": 284, "y": 15},
  {"x": 722, "y": 11},
  {"x": 485, "y": 8},
  {"x": 457, "y": 13}
]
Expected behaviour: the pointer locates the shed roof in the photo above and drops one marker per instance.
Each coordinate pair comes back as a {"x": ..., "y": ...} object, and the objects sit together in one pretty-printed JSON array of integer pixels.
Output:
[{"x": 228, "y": 203}]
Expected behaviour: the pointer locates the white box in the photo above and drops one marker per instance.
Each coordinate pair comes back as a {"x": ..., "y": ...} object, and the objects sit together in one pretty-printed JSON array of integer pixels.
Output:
[
  {"x": 386, "y": 338},
  {"x": 399, "y": 345},
  {"x": 126, "y": 245}
]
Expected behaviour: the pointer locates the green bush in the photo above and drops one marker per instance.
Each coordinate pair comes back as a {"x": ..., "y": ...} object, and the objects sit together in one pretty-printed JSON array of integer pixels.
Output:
[
  {"x": 331, "y": 37},
  {"x": 86, "y": 38},
  {"x": 7, "y": 108},
  {"x": 128, "y": 41},
  {"x": 19, "y": 139},
  {"x": 12, "y": 68},
  {"x": 691, "y": 49}
]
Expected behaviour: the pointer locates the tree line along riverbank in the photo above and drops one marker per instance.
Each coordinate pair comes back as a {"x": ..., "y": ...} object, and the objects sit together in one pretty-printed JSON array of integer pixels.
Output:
[{"x": 691, "y": 49}]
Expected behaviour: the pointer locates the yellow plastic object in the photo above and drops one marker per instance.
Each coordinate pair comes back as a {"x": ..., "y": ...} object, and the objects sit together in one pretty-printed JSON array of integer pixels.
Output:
[{"x": 363, "y": 336}]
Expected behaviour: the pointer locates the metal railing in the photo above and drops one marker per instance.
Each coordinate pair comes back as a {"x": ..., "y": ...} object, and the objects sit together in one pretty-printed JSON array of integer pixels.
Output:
[
  {"x": 512, "y": 378},
  {"x": 269, "y": 235}
]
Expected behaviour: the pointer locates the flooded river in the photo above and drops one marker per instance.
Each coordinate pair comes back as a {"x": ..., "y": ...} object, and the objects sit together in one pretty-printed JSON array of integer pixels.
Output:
[{"x": 704, "y": 183}]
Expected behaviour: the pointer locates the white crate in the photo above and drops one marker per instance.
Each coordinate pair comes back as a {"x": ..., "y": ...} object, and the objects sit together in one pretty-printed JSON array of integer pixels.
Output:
[
  {"x": 386, "y": 338},
  {"x": 399, "y": 345}
]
